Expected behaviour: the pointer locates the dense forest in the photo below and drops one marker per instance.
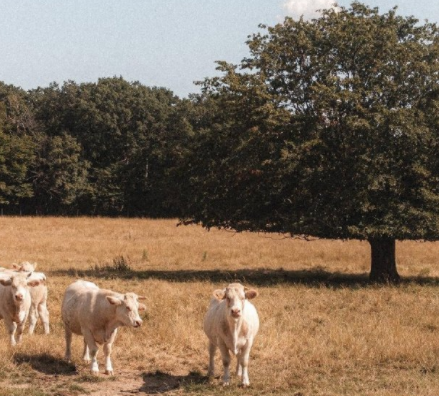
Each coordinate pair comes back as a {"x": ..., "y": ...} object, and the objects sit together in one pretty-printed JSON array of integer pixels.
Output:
[{"x": 107, "y": 148}]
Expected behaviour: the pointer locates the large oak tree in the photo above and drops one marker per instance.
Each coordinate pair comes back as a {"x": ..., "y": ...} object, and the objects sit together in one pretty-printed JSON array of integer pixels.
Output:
[{"x": 330, "y": 128}]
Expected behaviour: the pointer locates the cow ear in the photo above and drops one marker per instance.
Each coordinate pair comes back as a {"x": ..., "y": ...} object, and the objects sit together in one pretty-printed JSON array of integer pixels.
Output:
[
  {"x": 34, "y": 282},
  {"x": 141, "y": 297},
  {"x": 114, "y": 300},
  {"x": 219, "y": 294},
  {"x": 16, "y": 266},
  {"x": 5, "y": 282},
  {"x": 251, "y": 293},
  {"x": 142, "y": 307}
]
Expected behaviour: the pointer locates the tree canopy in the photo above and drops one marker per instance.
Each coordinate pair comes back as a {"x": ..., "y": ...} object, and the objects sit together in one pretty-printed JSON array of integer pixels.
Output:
[
  {"x": 16, "y": 146},
  {"x": 328, "y": 129},
  {"x": 104, "y": 148}
]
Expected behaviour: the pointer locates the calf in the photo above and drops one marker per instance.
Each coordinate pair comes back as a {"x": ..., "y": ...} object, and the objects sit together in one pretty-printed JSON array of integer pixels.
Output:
[
  {"x": 96, "y": 314},
  {"x": 15, "y": 300},
  {"x": 38, "y": 294},
  {"x": 25, "y": 266},
  {"x": 231, "y": 323}
]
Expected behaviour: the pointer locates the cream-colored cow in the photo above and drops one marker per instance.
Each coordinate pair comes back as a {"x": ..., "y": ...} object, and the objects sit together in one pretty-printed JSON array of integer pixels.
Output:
[
  {"x": 231, "y": 324},
  {"x": 38, "y": 294},
  {"x": 96, "y": 314},
  {"x": 15, "y": 300}
]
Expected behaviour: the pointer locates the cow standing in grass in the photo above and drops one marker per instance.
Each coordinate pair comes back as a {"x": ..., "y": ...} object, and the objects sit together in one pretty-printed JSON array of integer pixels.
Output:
[
  {"x": 15, "y": 300},
  {"x": 96, "y": 314},
  {"x": 38, "y": 294},
  {"x": 231, "y": 324}
]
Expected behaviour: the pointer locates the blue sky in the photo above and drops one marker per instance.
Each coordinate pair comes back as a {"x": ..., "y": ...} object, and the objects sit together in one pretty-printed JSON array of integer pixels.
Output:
[{"x": 169, "y": 43}]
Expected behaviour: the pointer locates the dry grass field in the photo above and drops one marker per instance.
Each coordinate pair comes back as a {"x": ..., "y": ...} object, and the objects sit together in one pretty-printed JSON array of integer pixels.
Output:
[{"x": 324, "y": 329}]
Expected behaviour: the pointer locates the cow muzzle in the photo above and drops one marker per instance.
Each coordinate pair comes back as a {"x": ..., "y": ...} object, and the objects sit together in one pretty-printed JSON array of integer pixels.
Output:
[
  {"x": 137, "y": 323},
  {"x": 235, "y": 312},
  {"x": 19, "y": 297}
]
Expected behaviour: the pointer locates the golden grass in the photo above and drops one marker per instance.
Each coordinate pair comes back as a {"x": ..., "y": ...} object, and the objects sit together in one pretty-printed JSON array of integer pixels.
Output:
[{"x": 324, "y": 330}]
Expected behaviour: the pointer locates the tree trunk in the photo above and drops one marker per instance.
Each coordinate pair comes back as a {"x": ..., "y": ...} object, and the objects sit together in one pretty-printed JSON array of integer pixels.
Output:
[{"x": 383, "y": 263}]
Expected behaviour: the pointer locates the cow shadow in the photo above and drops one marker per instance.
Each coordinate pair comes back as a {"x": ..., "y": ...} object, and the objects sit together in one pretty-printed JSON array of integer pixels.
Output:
[
  {"x": 158, "y": 382},
  {"x": 46, "y": 364},
  {"x": 263, "y": 277}
]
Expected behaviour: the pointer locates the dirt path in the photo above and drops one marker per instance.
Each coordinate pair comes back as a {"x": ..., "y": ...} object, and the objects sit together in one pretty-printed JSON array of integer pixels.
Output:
[
  {"x": 129, "y": 382},
  {"x": 126, "y": 382}
]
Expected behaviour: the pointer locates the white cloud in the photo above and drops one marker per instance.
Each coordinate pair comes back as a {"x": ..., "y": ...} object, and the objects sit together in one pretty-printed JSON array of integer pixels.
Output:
[{"x": 307, "y": 8}]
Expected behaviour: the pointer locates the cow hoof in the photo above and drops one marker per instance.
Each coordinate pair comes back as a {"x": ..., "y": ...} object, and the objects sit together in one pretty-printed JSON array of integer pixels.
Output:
[{"x": 109, "y": 372}]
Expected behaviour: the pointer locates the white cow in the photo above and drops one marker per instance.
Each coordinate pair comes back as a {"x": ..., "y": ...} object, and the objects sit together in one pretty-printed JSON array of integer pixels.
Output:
[
  {"x": 38, "y": 296},
  {"x": 231, "y": 323},
  {"x": 25, "y": 266},
  {"x": 96, "y": 314},
  {"x": 15, "y": 300}
]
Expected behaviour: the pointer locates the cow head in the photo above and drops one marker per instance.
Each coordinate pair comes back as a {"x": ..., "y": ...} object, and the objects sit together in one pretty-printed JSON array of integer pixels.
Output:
[
  {"x": 25, "y": 266},
  {"x": 235, "y": 295},
  {"x": 127, "y": 309}
]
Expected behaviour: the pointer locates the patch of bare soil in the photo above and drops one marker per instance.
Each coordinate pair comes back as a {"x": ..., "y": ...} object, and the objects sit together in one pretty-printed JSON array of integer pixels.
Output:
[
  {"x": 130, "y": 382},
  {"x": 126, "y": 382},
  {"x": 60, "y": 378}
]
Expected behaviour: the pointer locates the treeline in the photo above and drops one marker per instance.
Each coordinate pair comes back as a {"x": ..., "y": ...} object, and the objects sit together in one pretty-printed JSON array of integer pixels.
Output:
[{"x": 109, "y": 148}]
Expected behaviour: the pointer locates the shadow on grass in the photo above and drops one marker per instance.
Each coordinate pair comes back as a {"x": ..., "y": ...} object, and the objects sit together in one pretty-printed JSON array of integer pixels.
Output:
[
  {"x": 159, "y": 382},
  {"x": 316, "y": 277},
  {"x": 46, "y": 364},
  {"x": 257, "y": 277}
]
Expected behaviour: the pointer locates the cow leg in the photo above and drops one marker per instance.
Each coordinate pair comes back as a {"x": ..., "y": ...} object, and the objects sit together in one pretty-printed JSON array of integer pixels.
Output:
[
  {"x": 11, "y": 327},
  {"x": 68, "y": 336},
  {"x": 44, "y": 315},
  {"x": 107, "y": 352},
  {"x": 225, "y": 355},
  {"x": 33, "y": 316},
  {"x": 85, "y": 353},
  {"x": 20, "y": 329},
  {"x": 93, "y": 349},
  {"x": 212, "y": 350},
  {"x": 238, "y": 365},
  {"x": 243, "y": 362}
]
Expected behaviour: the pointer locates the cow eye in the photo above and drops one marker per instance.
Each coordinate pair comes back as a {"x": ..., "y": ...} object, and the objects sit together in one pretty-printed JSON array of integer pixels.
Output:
[{"x": 128, "y": 309}]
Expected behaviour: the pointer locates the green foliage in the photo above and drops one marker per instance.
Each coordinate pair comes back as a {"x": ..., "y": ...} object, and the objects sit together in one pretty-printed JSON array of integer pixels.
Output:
[
  {"x": 129, "y": 134},
  {"x": 105, "y": 148},
  {"x": 329, "y": 128},
  {"x": 16, "y": 146},
  {"x": 15, "y": 115},
  {"x": 16, "y": 156},
  {"x": 59, "y": 175}
]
